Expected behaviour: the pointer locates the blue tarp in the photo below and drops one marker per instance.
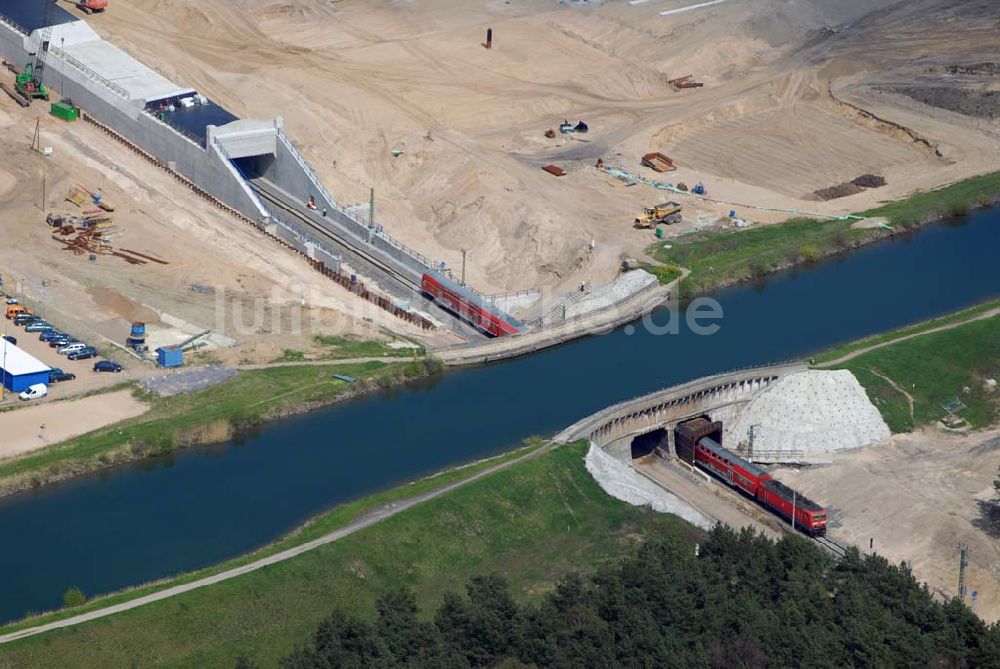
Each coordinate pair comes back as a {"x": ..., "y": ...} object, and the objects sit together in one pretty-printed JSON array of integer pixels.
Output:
[{"x": 28, "y": 13}]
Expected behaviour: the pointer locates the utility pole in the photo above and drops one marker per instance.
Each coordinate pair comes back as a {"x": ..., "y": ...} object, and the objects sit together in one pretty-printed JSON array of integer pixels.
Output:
[
  {"x": 752, "y": 435},
  {"x": 463, "y": 266},
  {"x": 371, "y": 208},
  {"x": 62, "y": 68},
  {"x": 963, "y": 563}
]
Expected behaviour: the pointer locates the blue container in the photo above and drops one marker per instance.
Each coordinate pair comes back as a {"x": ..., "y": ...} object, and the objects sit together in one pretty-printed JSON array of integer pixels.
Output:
[
  {"x": 169, "y": 356},
  {"x": 138, "y": 330}
]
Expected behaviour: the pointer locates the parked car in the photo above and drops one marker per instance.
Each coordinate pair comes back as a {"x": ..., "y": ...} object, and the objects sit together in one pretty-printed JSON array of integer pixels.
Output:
[
  {"x": 83, "y": 353},
  {"x": 107, "y": 366},
  {"x": 12, "y": 340},
  {"x": 56, "y": 375},
  {"x": 11, "y": 300},
  {"x": 38, "y": 326},
  {"x": 49, "y": 335},
  {"x": 24, "y": 319},
  {"x": 59, "y": 342},
  {"x": 71, "y": 348},
  {"x": 34, "y": 392}
]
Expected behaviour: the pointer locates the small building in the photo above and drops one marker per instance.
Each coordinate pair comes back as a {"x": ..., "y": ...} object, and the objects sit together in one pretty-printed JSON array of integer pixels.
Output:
[
  {"x": 20, "y": 369},
  {"x": 169, "y": 356}
]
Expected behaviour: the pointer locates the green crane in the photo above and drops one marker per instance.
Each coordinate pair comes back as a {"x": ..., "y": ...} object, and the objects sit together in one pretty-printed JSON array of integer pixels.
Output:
[{"x": 29, "y": 83}]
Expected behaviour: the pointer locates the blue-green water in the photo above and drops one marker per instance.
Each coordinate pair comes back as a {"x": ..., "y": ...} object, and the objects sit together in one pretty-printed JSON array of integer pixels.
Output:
[{"x": 200, "y": 506}]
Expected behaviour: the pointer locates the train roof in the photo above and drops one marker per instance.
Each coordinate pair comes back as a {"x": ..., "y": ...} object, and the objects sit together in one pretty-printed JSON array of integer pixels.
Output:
[
  {"x": 801, "y": 500},
  {"x": 713, "y": 445},
  {"x": 472, "y": 297}
]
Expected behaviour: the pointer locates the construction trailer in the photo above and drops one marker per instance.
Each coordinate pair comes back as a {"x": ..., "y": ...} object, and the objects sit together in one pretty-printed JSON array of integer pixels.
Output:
[{"x": 169, "y": 356}]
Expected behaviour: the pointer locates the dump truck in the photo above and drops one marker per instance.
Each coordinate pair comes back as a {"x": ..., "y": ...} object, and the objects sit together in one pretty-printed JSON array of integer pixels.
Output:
[{"x": 666, "y": 213}]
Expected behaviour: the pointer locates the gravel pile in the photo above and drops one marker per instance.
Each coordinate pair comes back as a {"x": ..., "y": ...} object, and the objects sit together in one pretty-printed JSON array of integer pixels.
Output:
[
  {"x": 622, "y": 482},
  {"x": 810, "y": 413}
]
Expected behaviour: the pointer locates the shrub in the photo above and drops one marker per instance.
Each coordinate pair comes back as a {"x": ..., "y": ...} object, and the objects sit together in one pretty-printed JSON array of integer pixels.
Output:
[{"x": 73, "y": 597}]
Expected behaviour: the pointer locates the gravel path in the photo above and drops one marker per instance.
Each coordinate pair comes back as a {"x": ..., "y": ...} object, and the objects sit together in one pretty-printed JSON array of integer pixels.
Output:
[
  {"x": 861, "y": 351},
  {"x": 366, "y": 520}
]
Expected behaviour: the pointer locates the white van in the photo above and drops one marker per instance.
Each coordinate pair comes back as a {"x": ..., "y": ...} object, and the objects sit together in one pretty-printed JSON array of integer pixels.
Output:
[
  {"x": 69, "y": 348},
  {"x": 35, "y": 392}
]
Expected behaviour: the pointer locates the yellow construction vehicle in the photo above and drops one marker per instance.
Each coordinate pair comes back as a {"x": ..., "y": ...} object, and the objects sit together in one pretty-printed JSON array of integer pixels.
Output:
[{"x": 666, "y": 213}]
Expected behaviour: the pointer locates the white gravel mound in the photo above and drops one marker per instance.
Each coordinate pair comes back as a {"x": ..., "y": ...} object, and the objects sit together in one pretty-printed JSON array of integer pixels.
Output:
[
  {"x": 622, "y": 482},
  {"x": 811, "y": 412}
]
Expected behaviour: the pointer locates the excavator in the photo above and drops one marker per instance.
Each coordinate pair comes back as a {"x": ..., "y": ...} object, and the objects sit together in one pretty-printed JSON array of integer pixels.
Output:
[
  {"x": 667, "y": 213},
  {"x": 90, "y": 6}
]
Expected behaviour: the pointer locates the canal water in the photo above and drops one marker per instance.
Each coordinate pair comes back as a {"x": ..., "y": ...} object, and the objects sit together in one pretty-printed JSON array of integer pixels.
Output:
[{"x": 155, "y": 518}]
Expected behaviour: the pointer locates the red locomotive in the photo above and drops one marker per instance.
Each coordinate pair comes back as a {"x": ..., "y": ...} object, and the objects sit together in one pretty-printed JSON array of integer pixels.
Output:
[
  {"x": 747, "y": 477},
  {"x": 467, "y": 305}
]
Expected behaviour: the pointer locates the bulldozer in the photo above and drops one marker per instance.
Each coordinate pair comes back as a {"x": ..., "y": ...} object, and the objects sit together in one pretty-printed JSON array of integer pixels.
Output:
[{"x": 667, "y": 213}]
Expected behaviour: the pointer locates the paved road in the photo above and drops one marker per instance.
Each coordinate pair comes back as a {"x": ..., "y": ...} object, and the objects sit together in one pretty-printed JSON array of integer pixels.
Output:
[
  {"x": 367, "y": 520},
  {"x": 861, "y": 351}
]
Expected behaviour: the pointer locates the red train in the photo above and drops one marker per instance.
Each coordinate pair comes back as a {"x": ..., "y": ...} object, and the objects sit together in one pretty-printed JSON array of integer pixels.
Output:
[
  {"x": 467, "y": 305},
  {"x": 810, "y": 517}
]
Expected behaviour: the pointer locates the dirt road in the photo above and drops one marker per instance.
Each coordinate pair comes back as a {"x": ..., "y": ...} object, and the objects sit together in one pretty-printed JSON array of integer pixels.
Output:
[
  {"x": 915, "y": 500},
  {"x": 32, "y": 427}
]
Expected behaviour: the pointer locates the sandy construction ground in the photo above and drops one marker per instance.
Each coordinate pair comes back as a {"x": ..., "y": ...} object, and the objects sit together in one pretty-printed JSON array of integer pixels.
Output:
[
  {"x": 918, "y": 499},
  {"x": 784, "y": 109},
  {"x": 260, "y": 295},
  {"x": 32, "y": 427}
]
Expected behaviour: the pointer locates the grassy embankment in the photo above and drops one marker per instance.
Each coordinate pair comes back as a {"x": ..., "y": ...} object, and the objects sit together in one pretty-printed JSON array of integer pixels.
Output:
[
  {"x": 933, "y": 369},
  {"x": 722, "y": 257},
  {"x": 208, "y": 416},
  {"x": 533, "y": 523},
  {"x": 338, "y": 348}
]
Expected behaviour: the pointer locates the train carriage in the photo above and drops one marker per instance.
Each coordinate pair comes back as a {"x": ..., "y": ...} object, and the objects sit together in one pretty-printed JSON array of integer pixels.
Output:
[
  {"x": 467, "y": 305},
  {"x": 747, "y": 477},
  {"x": 810, "y": 517},
  {"x": 728, "y": 466}
]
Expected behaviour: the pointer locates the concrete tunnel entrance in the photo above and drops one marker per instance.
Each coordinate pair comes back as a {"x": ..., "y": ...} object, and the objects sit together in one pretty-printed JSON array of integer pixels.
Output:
[
  {"x": 644, "y": 444},
  {"x": 253, "y": 167}
]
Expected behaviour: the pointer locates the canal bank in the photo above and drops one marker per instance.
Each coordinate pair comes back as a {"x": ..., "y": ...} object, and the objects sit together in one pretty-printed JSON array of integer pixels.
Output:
[{"x": 178, "y": 513}]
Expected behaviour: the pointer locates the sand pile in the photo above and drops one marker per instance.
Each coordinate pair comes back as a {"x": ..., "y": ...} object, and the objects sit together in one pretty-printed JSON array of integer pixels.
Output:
[
  {"x": 809, "y": 413},
  {"x": 622, "y": 482}
]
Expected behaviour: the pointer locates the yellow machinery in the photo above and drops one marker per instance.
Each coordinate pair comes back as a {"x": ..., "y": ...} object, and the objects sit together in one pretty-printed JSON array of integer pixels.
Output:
[{"x": 666, "y": 213}]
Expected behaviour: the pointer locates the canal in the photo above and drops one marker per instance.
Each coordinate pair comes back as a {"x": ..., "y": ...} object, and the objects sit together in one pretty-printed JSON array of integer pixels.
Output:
[{"x": 162, "y": 516}]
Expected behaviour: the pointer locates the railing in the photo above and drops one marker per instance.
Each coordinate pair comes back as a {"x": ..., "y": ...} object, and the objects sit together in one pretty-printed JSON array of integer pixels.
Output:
[
  {"x": 186, "y": 134},
  {"x": 241, "y": 177},
  {"x": 89, "y": 72},
  {"x": 14, "y": 25},
  {"x": 364, "y": 228}
]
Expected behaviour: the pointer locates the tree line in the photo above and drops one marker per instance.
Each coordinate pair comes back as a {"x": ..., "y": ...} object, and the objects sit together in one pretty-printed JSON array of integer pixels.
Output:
[{"x": 742, "y": 601}]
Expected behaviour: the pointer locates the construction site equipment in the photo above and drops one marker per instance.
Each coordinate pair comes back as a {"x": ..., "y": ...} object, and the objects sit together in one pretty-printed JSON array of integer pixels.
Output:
[
  {"x": 90, "y": 6},
  {"x": 97, "y": 198},
  {"x": 565, "y": 127},
  {"x": 29, "y": 84},
  {"x": 581, "y": 127},
  {"x": 659, "y": 162},
  {"x": 137, "y": 337},
  {"x": 600, "y": 164},
  {"x": 667, "y": 213},
  {"x": 682, "y": 187},
  {"x": 684, "y": 82},
  {"x": 147, "y": 257},
  {"x": 555, "y": 170},
  {"x": 169, "y": 356},
  {"x": 65, "y": 110},
  {"x": 14, "y": 95},
  {"x": 699, "y": 189}
]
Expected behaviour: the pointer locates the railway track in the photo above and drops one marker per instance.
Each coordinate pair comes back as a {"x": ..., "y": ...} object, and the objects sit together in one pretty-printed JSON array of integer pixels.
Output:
[{"x": 831, "y": 546}]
